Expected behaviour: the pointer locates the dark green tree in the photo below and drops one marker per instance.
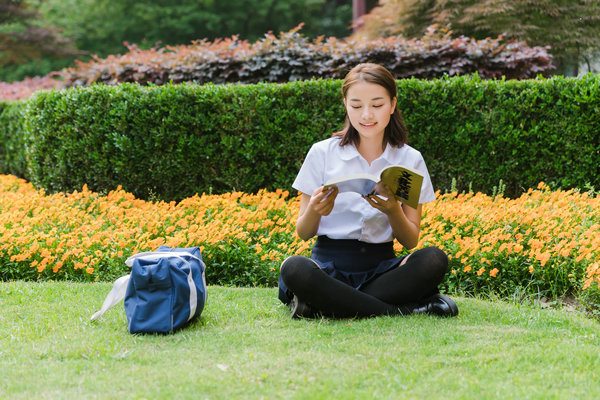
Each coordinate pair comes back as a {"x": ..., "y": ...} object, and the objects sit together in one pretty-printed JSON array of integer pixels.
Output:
[
  {"x": 101, "y": 26},
  {"x": 570, "y": 27},
  {"x": 22, "y": 38}
]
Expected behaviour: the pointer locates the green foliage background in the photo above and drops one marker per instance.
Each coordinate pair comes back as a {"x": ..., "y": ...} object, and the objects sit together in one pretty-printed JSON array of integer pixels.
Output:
[{"x": 100, "y": 27}]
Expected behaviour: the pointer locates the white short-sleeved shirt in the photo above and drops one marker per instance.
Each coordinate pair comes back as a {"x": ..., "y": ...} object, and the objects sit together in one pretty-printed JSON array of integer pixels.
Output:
[{"x": 352, "y": 216}]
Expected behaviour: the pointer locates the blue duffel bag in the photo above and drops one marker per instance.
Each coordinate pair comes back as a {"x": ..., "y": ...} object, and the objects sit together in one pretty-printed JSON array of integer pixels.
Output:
[{"x": 165, "y": 290}]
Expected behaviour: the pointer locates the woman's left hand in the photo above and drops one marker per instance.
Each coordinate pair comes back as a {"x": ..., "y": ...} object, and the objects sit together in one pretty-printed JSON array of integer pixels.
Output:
[
  {"x": 386, "y": 204},
  {"x": 404, "y": 220}
]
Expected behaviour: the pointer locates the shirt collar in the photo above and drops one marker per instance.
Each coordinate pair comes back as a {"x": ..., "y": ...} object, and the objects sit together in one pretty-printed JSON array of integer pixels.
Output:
[
  {"x": 388, "y": 154},
  {"x": 349, "y": 152}
]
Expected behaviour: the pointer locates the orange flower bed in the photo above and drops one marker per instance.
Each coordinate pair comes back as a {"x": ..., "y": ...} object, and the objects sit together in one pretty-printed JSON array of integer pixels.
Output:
[
  {"x": 84, "y": 235},
  {"x": 545, "y": 240},
  {"x": 549, "y": 239}
]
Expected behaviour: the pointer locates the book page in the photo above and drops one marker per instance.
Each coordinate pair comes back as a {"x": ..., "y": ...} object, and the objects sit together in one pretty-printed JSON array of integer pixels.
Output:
[{"x": 363, "y": 184}]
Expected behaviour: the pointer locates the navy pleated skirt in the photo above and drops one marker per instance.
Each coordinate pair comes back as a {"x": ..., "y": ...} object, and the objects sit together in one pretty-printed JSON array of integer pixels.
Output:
[{"x": 351, "y": 261}]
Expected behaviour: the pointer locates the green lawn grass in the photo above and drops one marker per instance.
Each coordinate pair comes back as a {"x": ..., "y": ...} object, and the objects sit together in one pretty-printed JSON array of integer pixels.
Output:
[{"x": 245, "y": 346}]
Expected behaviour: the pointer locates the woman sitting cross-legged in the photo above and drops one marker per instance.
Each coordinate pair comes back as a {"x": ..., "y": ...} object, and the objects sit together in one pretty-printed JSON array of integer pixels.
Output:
[{"x": 353, "y": 270}]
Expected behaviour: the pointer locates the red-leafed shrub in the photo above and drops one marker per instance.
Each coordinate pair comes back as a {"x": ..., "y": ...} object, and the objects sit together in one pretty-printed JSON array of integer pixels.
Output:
[
  {"x": 291, "y": 56},
  {"x": 26, "y": 87}
]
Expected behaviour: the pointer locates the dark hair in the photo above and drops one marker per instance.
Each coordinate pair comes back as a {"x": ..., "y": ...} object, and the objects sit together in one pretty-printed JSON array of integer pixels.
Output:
[{"x": 395, "y": 133}]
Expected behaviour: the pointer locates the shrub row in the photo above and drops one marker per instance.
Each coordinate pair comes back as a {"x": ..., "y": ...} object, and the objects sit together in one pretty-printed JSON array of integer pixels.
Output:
[
  {"x": 172, "y": 141},
  {"x": 291, "y": 56}
]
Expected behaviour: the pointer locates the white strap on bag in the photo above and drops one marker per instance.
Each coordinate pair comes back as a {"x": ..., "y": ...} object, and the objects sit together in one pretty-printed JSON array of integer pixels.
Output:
[
  {"x": 154, "y": 255},
  {"x": 120, "y": 286},
  {"x": 114, "y": 296}
]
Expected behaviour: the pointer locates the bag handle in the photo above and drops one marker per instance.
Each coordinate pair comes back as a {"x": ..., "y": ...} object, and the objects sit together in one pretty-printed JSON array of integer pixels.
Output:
[
  {"x": 116, "y": 294},
  {"x": 154, "y": 255}
]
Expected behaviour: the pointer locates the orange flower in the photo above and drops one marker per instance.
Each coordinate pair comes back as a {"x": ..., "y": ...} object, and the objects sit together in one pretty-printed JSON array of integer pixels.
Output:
[
  {"x": 494, "y": 272},
  {"x": 57, "y": 266},
  {"x": 543, "y": 258},
  {"x": 481, "y": 271}
]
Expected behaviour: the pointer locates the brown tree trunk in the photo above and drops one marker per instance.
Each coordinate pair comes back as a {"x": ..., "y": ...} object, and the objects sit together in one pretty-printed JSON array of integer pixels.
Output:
[{"x": 359, "y": 8}]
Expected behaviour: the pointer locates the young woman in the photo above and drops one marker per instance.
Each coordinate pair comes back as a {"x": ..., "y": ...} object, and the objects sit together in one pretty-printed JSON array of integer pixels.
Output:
[{"x": 353, "y": 270}]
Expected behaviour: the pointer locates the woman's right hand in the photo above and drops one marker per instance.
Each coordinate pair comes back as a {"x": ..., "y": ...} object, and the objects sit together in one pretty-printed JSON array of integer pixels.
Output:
[
  {"x": 312, "y": 208},
  {"x": 323, "y": 200}
]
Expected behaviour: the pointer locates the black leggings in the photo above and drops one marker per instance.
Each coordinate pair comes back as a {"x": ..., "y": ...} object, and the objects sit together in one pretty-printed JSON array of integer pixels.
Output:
[{"x": 396, "y": 291}]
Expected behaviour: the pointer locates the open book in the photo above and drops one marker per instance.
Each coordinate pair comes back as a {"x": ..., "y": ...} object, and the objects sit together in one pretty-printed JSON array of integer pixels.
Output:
[{"x": 404, "y": 182}]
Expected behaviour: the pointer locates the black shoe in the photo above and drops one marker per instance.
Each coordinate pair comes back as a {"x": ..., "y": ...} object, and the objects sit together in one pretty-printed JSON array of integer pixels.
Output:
[
  {"x": 438, "y": 304},
  {"x": 300, "y": 309}
]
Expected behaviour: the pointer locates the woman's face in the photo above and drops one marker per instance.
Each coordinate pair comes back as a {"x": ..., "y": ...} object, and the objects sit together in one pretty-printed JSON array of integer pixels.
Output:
[{"x": 369, "y": 109}]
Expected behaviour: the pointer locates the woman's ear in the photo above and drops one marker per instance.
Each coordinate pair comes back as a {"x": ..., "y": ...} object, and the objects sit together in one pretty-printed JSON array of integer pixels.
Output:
[{"x": 394, "y": 101}]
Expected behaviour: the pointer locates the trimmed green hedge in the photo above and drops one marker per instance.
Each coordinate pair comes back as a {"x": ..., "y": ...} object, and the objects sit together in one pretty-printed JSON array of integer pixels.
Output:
[
  {"x": 521, "y": 132},
  {"x": 169, "y": 142},
  {"x": 13, "y": 160},
  {"x": 172, "y": 141}
]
